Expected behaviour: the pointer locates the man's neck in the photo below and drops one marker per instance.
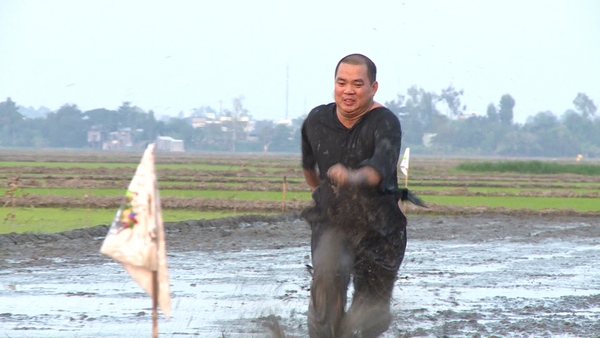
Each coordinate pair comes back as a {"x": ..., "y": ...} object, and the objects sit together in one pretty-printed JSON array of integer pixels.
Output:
[{"x": 349, "y": 120}]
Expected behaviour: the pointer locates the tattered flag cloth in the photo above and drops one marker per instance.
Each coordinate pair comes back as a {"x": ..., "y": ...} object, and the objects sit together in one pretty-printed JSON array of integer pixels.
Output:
[
  {"x": 404, "y": 163},
  {"x": 136, "y": 236}
]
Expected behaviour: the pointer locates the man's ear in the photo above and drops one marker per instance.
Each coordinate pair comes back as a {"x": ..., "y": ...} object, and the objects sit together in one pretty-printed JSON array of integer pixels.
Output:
[{"x": 374, "y": 87}]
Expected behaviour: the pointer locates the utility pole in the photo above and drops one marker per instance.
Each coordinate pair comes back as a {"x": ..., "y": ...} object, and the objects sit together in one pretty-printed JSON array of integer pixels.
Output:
[{"x": 287, "y": 89}]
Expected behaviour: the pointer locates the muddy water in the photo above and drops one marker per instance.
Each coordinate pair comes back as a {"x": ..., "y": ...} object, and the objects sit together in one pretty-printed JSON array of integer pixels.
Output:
[
  {"x": 212, "y": 293},
  {"x": 461, "y": 277}
]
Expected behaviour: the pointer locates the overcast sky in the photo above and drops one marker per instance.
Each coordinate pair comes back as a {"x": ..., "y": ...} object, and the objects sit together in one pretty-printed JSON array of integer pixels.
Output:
[{"x": 173, "y": 56}]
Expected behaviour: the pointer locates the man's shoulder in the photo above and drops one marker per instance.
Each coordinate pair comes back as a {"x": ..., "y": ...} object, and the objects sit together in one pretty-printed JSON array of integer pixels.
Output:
[
  {"x": 382, "y": 116},
  {"x": 384, "y": 113},
  {"x": 321, "y": 109},
  {"x": 383, "y": 110},
  {"x": 320, "y": 113}
]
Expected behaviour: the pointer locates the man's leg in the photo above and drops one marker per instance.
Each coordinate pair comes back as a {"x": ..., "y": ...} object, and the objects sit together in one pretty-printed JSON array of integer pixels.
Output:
[
  {"x": 332, "y": 263},
  {"x": 375, "y": 271},
  {"x": 369, "y": 313}
]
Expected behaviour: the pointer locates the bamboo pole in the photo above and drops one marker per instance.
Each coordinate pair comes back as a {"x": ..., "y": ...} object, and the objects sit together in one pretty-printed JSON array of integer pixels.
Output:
[
  {"x": 284, "y": 190},
  {"x": 406, "y": 186},
  {"x": 154, "y": 304}
]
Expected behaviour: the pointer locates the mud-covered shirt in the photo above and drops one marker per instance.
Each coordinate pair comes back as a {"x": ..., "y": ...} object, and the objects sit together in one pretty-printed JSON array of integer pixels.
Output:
[
  {"x": 370, "y": 217},
  {"x": 373, "y": 141}
]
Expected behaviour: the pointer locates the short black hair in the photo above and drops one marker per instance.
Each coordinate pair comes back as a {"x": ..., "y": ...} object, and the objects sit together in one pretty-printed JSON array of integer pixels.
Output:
[{"x": 359, "y": 59}]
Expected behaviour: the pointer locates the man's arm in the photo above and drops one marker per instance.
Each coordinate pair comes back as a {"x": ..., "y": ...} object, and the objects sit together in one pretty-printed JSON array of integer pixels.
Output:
[
  {"x": 311, "y": 177},
  {"x": 362, "y": 177}
]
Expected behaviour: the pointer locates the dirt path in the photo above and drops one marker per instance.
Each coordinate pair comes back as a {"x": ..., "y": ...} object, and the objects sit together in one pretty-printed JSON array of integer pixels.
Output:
[{"x": 474, "y": 275}]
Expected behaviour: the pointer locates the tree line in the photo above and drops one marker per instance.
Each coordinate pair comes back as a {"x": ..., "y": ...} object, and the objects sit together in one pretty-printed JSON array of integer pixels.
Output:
[
  {"x": 432, "y": 123},
  {"x": 68, "y": 127},
  {"x": 453, "y": 132}
]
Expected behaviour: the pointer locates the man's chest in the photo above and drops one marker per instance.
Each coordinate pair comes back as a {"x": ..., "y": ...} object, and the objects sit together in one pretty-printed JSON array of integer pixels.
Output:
[{"x": 349, "y": 147}]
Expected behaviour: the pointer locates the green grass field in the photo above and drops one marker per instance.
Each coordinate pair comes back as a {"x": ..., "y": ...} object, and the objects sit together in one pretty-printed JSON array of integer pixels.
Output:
[
  {"x": 132, "y": 166},
  {"x": 184, "y": 193},
  {"x": 63, "y": 219},
  {"x": 428, "y": 181},
  {"x": 517, "y": 202},
  {"x": 498, "y": 190},
  {"x": 530, "y": 167}
]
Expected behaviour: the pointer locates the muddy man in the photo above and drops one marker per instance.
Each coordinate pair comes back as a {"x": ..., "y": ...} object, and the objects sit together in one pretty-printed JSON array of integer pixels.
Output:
[{"x": 350, "y": 150}]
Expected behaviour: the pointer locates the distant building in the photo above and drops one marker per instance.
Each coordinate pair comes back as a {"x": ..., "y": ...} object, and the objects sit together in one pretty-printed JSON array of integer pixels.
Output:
[
  {"x": 199, "y": 122},
  {"x": 285, "y": 122},
  {"x": 169, "y": 144},
  {"x": 94, "y": 138},
  {"x": 118, "y": 140},
  {"x": 464, "y": 116},
  {"x": 428, "y": 139}
]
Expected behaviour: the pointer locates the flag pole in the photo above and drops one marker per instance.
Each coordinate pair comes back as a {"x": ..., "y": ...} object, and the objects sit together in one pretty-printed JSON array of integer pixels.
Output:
[
  {"x": 154, "y": 304},
  {"x": 406, "y": 186},
  {"x": 284, "y": 189}
]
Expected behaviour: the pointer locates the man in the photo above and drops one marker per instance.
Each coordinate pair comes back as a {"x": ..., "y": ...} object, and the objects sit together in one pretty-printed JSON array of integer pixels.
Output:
[{"x": 350, "y": 150}]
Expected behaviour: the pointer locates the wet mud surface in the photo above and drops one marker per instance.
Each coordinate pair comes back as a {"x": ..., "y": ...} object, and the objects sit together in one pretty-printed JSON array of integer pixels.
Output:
[{"x": 486, "y": 275}]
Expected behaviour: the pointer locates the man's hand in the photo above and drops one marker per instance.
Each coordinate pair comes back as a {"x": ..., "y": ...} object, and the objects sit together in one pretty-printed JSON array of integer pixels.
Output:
[
  {"x": 311, "y": 177},
  {"x": 341, "y": 176},
  {"x": 338, "y": 174}
]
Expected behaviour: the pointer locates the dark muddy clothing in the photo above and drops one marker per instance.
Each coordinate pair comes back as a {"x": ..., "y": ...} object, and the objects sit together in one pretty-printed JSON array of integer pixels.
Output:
[{"x": 359, "y": 232}]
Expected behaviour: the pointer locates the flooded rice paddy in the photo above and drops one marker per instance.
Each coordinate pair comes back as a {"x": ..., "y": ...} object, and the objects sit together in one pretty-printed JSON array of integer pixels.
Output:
[{"x": 475, "y": 276}]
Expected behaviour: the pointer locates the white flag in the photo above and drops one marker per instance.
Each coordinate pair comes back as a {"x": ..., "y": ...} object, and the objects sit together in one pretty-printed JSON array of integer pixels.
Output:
[
  {"x": 404, "y": 163},
  {"x": 136, "y": 237}
]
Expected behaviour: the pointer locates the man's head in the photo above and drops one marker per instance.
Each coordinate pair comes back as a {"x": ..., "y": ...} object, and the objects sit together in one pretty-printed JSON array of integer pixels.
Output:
[
  {"x": 355, "y": 85},
  {"x": 359, "y": 59}
]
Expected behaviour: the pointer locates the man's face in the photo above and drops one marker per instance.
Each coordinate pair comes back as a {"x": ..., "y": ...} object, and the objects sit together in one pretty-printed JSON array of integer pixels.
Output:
[{"x": 353, "y": 91}]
